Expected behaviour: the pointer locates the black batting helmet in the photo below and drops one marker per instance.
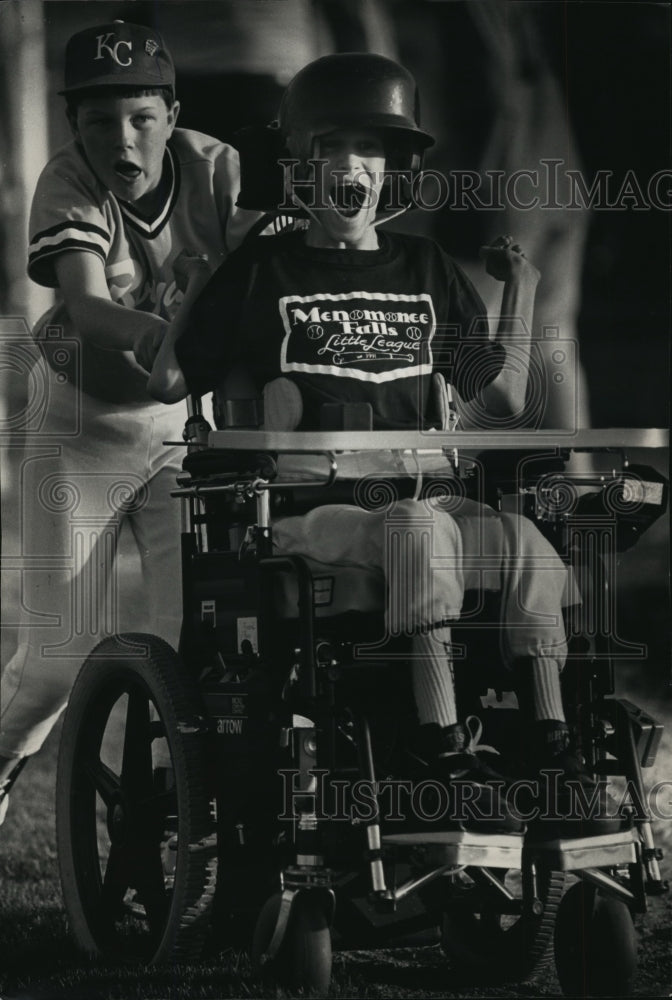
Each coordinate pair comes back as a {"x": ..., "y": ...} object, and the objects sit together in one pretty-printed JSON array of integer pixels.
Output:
[
  {"x": 346, "y": 90},
  {"x": 352, "y": 89}
]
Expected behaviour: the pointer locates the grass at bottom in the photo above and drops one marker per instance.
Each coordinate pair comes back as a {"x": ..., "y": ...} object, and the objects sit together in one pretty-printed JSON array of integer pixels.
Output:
[
  {"x": 403, "y": 973},
  {"x": 38, "y": 960}
]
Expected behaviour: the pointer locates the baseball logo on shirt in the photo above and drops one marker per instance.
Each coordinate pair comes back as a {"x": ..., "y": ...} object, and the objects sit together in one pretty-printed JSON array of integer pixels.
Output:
[{"x": 374, "y": 337}]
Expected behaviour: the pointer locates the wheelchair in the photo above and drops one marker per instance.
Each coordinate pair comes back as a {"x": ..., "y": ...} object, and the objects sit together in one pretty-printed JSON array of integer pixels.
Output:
[{"x": 232, "y": 792}]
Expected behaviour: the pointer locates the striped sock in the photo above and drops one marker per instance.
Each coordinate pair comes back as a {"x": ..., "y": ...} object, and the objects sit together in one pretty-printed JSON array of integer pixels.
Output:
[
  {"x": 546, "y": 693},
  {"x": 432, "y": 675}
]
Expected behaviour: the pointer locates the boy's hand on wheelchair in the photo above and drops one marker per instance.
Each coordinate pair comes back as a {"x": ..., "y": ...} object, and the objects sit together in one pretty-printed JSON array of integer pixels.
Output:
[
  {"x": 148, "y": 342},
  {"x": 190, "y": 268},
  {"x": 505, "y": 260}
]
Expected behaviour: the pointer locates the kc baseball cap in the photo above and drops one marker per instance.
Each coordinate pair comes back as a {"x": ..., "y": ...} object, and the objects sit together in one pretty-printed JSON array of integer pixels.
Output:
[{"x": 117, "y": 55}]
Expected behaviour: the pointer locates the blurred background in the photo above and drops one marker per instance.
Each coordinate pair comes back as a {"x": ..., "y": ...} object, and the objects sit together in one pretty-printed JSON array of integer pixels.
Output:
[{"x": 505, "y": 86}]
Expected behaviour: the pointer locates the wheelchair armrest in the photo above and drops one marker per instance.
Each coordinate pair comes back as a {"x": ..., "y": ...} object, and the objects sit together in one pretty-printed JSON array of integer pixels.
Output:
[
  {"x": 634, "y": 500},
  {"x": 237, "y": 402},
  {"x": 221, "y": 461}
]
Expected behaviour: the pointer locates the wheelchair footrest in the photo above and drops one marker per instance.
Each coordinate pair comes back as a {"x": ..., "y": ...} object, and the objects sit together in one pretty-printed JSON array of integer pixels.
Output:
[
  {"x": 460, "y": 847},
  {"x": 568, "y": 855}
]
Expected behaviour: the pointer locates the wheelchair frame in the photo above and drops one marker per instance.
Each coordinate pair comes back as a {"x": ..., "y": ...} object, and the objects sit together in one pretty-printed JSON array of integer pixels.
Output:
[{"x": 617, "y": 871}]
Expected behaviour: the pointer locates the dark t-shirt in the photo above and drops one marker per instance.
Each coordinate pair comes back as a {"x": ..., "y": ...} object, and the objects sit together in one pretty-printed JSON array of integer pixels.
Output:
[{"x": 345, "y": 326}]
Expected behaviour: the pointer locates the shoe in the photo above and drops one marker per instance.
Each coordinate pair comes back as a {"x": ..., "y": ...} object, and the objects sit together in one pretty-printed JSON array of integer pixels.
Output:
[
  {"x": 571, "y": 802},
  {"x": 454, "y": 759}
]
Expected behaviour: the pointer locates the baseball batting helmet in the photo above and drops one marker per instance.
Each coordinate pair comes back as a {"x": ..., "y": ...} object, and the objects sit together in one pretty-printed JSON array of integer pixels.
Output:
[
  {"x": 352, "y": 89},
  {"x": 346, "y": 90}
]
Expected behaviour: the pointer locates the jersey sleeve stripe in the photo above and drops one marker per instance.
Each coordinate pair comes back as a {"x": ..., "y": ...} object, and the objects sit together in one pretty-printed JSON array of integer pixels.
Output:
[
  {"x": 74, "y": 244},
  {"x": 42, "y": 252},
  {"x": 40, "y": 264},
  {"x": 89, "y": 237},
  {"x": 80, "y": 225}
]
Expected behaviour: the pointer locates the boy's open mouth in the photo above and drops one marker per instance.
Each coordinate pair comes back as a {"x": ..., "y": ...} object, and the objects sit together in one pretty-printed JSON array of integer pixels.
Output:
[
  {"x": 127, "y": 170},
  {"x": 348, "y": 199}
]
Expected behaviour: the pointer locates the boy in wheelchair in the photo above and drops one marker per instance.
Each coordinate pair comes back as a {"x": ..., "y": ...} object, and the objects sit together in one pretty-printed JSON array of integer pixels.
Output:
[{"x": 338, "y": 311}]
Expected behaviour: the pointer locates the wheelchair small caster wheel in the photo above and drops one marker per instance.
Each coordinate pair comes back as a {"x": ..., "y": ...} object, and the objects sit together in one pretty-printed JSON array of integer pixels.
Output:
[
  {"x": 595, "y": 944},
  {"x": 302, "y": 963}
]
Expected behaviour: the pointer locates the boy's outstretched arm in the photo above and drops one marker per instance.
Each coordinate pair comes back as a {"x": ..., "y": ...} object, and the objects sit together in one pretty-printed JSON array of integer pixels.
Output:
[
  {"x": 166, "y": 381},
  {"x": 108, "y": 324},
  {"x": 505, "y": 395}
]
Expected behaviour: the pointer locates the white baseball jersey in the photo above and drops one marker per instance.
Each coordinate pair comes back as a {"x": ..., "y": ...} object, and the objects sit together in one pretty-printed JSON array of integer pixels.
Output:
[{"x": 72, "y": 210}]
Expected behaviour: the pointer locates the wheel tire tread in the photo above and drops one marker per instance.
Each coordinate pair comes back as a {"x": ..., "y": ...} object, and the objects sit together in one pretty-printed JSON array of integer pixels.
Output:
[{"x": 174, "y": 689}]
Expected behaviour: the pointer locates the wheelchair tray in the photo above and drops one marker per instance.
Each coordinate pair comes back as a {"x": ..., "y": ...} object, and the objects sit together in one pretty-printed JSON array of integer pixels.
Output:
[
  {"x": 461, "y": 847},
  {"x": 339, "y": 441}
]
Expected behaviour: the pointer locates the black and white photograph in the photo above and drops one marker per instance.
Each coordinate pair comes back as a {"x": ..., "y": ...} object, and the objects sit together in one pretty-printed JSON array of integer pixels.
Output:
[{"x": 336, "y": 656}]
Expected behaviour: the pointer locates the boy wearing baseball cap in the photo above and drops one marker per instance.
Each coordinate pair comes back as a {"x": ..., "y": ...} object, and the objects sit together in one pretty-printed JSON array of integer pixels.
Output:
[{"x": 114, "y": 214}]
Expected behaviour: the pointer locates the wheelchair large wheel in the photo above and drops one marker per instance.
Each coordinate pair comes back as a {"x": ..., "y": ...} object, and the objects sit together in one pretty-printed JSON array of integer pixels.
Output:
[
  {"x": 303, "y": 961},
  {"x": 595, "y": 944},
  {"x": 136, "y": 841},
  {"x": 491, "y": 940}
]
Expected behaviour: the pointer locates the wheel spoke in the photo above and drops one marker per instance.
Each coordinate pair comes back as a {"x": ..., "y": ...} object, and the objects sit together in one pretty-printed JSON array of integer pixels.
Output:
[
  {"x": 116, "y": 880},
  {"x": 151, "y": 882},
  {"x": 135, "y": 865},
  {"x": 136, "y": 768},
  {"x": 153, "y": 810},
  {"x": 105, "y": 781}
]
